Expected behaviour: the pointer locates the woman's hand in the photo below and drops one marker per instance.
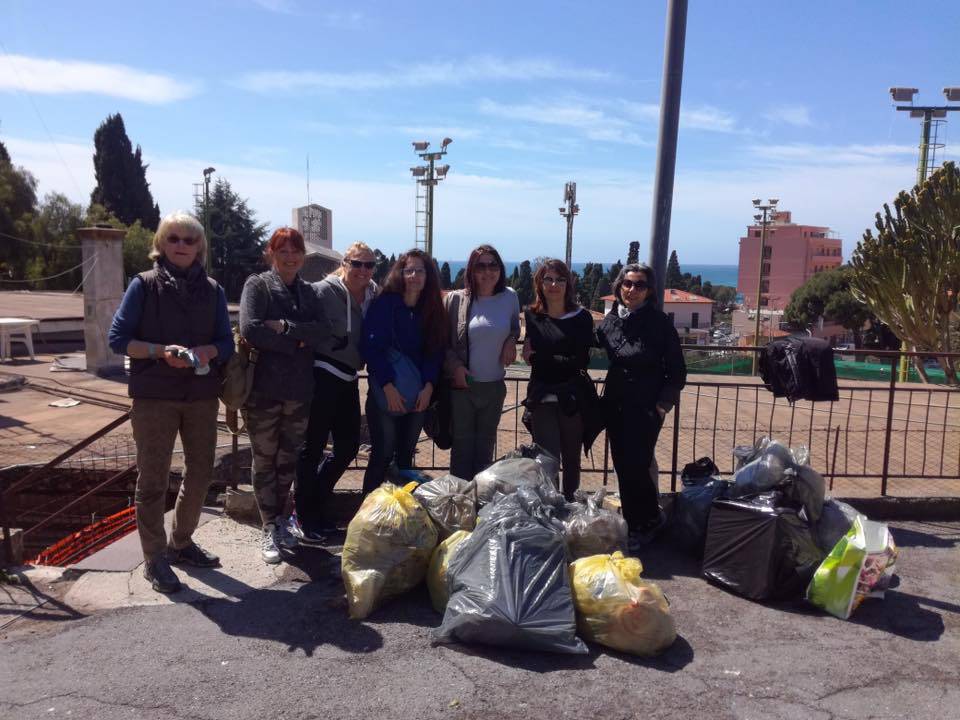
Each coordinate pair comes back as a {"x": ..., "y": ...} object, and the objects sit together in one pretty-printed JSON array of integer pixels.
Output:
[
  {"x": 205, "y": 353},
  {"x": 508, "y": 354},
  {"x": 527, "y": 351},
  {"x": 460, "y": 378},
  {"x": 171, "y": 353},
  {"x": 423, "y": 398},
  {"x": 275, "y": 325},
  {"x": 394, "y": 399}
]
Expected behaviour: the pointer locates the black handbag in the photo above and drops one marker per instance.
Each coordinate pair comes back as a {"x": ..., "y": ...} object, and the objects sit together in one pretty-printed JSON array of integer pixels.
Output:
[{"x": 438, "y": 419}]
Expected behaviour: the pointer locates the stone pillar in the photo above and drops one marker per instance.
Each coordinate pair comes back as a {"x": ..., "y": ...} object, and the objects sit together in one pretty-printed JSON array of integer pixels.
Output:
[{"x": 102, "y": 249}]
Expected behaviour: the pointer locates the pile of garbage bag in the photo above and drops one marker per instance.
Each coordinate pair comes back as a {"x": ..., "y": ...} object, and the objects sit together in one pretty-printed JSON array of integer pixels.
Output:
[
  {"x": 387, "y": 549},
  {"x": 617, "y": 609},
  {"x": 451, "y": 503},
  {"x": 527, "y": 465},
  {"x": 773, "y": 465}
]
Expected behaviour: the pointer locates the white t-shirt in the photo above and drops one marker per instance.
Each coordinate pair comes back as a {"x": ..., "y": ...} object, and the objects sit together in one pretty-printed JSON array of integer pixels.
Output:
[{"x": 492, "y": 320}]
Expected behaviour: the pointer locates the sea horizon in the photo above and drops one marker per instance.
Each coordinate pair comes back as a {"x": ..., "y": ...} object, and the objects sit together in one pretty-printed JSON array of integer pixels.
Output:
[{"x": 715, "y": 274}]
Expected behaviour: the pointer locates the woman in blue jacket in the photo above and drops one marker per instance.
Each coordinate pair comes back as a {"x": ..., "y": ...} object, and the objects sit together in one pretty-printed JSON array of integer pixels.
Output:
[{"x": 404, "y": 337}]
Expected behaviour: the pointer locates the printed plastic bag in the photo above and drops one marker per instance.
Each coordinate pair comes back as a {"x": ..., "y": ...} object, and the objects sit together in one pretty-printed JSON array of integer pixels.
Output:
[
  {"x": 589, "y": 529},
  {"x": 437, "y": 572},
  {"x": 387, "y": 549},
  {"x": 510, "y": 585},
  {"x": 835, "y": 521},
  {"x": 859, "y": 566},
  {"x": 617, "y": 609},
  {"x": 451, "y": 503}
]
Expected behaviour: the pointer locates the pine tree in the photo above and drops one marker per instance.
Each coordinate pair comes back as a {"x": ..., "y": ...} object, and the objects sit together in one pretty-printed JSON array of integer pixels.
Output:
[
  {"x": 614, "y": 271},
  {"x": 633, "y": 254},
  {"x": 524, "y": 285},
  {"x": 236, "y": 239},
  {"x": 458, "y": 280},
  {"x": 122, "y": 186},
  {"x": 445, "y": 282},
  {"x": 674, "y": 278},
  {"x": 18, "y": 206}
]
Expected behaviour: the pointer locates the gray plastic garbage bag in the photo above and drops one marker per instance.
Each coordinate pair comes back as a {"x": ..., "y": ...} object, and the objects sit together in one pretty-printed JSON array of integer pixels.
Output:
[
  {"x": 505, "y": 476},
  {"x": 775, "y": 466},
  {"x": 451, "y": 503},
  {"x": 510, "y": 586},
  {"x": 807, "y": 488},
  {"x": 591, "y": 529},
  {"x": 549, "y": 462},
  {"x": 835, "y": 522}
]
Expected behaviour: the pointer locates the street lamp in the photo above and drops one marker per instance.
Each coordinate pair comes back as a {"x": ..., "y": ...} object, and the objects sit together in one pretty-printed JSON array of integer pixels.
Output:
[
  {"x": 927, "y": 114},
  {"x": 569, "y": 211},
  {"x": 429, "y": 176},
  {"x": 764, "y": 217},
  {"x": 207, "y": 172}
]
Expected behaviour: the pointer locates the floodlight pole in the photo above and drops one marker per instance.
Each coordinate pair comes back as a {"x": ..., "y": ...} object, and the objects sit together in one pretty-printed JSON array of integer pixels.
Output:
[
  {"x": 430, "y": 181},
  {"x": 207, "y": 172},
  {"x": 667, "y": 144}
]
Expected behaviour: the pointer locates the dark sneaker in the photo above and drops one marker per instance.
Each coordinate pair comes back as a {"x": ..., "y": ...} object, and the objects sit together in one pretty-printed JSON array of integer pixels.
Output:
[
  {"x": 194, "y": 555},
  {"x": 311, "y": 538},
  {"x": 162, "y": 578},
  {"x": 645, "y": 534},
  {"x": 268, "y": 545}
]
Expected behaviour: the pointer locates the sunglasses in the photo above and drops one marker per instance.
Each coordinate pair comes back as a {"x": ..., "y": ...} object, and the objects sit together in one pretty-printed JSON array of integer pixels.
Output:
[
  {"x": 414, "y": 271},
  {"x": 548, "y": 280},
  {"x": 357, "y": 264},
  {"x": 630, "y": 285},
  {"x": 176, "y": 240},
  {"x": 487, "y": 266}
]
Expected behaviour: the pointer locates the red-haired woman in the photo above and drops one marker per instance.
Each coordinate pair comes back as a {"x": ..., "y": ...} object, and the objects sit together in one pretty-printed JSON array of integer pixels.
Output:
[
  {"x": 403, "y": 345},
  {"x": 280, "y": 316},
  {"x": 563, "y": 410},
  {"x": 484, "y": 322}
]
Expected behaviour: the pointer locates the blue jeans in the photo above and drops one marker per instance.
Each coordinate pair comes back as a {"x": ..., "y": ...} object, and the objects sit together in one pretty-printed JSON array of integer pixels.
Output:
[{"x": 391, "y": 437}]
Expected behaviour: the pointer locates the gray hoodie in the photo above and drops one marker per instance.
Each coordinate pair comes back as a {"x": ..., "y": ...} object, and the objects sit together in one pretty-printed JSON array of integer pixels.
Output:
[{"x": 339, "y": 351}]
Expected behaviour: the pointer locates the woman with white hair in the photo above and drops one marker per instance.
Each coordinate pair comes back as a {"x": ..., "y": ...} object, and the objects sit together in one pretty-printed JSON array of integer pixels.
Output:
[{"x": 174, "y": 326}]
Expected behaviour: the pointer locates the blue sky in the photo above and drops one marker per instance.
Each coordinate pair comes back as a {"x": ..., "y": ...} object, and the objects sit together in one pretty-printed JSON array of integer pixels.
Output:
[{"x": 780, "y": 99}]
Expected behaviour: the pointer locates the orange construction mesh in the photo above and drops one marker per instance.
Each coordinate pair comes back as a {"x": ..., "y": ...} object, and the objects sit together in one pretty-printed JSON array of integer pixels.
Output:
[{"x": 85, "y": 542}]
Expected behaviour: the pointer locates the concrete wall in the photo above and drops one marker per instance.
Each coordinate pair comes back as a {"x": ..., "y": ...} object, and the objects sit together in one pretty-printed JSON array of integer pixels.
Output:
[{"x": 102, "y": 250}]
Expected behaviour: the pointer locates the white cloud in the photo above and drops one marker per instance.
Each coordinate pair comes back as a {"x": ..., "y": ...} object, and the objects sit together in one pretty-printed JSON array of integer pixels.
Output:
[
  {"x": 594, "y": 123},
  {"x": 703, "y": 117},
  {"x": 285, "y": 7},
  {"x": 476, "y": 69},
  {"x": 58, "y": 77},
  {"x": 832, "y": 154},
  {"x": 796, "y": 115}
]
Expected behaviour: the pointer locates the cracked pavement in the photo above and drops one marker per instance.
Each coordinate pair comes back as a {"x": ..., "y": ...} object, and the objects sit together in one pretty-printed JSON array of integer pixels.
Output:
[{"x": 289, "y": 651}]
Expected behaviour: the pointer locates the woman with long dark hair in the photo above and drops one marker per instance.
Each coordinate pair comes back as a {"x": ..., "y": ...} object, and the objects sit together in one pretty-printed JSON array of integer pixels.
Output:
[
  {"x": 484, "y": 327},
  {"x": 647, "y": 373},
  {"x": 403, "y": 345},
  {"x": 562, "y": 407}
]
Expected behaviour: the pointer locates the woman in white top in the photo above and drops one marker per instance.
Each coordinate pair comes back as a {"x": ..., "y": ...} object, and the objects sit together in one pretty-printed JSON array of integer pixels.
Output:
[{"x": 484, "y": 326}]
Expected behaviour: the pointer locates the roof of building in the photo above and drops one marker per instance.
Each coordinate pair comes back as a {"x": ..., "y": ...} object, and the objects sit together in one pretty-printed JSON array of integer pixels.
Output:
[{"x": 673, "y": 296}]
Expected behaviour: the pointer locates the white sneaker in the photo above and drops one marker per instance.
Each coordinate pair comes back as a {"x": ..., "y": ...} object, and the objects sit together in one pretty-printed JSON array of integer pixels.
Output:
[{"x": 268, "y": 545}]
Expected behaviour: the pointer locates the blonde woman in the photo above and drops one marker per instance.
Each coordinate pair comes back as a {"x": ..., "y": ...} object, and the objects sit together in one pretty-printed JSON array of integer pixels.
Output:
[
  {"x": 174, "y": 326},
  {"x": 344, "y": 299}
]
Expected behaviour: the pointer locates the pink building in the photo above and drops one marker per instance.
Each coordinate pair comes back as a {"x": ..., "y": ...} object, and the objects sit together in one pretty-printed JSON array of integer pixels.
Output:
[{"x": 792, "y": 255}]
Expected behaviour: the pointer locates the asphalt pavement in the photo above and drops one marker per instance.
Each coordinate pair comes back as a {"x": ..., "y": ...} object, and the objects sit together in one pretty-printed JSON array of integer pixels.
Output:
[{"x": 289, "y": 651}]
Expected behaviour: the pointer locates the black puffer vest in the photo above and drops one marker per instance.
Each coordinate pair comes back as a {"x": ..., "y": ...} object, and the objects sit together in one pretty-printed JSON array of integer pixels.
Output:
[{"x": 174, "y": 318}]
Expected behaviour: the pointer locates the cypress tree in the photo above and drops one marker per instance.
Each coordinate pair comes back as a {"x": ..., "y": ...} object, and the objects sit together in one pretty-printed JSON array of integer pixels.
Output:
[
  {"x": 633, "y": 254},
  {"x": 674, "y": 279},
  {"x": 122, "y": 186}
]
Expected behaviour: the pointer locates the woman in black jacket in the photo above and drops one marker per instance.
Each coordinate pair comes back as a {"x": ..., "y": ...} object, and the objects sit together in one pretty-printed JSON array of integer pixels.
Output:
[
  {"x": 646, "y": 375},
  {"x": 562, "y": 407}
]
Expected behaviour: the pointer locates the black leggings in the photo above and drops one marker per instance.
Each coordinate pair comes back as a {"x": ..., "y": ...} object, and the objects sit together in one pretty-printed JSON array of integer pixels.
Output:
[
  {"x": 335, "y": 409},
  {"x": 633, "y": 434}
]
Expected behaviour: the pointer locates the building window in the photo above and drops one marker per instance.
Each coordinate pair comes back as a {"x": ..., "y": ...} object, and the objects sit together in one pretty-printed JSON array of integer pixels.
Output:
[
  {"x": 764, "y": 286},
  {"x": 756, "y": 233},
  {"x": 767, "y": 252},
  {"x": 695, "y": 320},
  {"x": 765, "y": 269},
  {"x": 764, "y": 301}
]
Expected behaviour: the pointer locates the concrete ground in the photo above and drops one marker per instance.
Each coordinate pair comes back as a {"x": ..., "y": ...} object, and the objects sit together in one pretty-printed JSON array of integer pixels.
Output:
[{"x": 247, "y": 641}]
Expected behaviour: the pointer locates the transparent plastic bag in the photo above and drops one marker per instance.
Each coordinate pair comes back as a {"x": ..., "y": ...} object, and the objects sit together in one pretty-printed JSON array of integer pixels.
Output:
[
  {"x": 387, "y": 548},
  {"x": 450, "y": 502},
  {"x": 616, "y": 608},
  {"x": 437, "y": 572},
  {"x": 506, "y": 475},
  {"x": 835, "y": 521},
  {"x": 590, "y": 529},
  {"x": 773, "y": 465},
  {"x": 549, "y": 462}
]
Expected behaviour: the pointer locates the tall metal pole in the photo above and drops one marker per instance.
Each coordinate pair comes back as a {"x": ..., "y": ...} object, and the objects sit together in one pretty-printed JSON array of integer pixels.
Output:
[
  {"x": 206, "y": 218},
  {"x": 667, "y": 144},
  {"x": 569, "y": 255},
  {"x": 431, "y": 181},
  {"x": 756, "y": 327},
  {"x": 924, "y": 145}
]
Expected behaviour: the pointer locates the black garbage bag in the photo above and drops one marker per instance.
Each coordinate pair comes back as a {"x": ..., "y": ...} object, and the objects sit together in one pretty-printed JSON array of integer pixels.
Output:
[
  {"x": 699, "y": 471},
  {"x": 835, "y": 522},
  {"x": 760, "y": 548},
  {"x": 510, "y": 585},
  {"x": 691, "y": 511}
]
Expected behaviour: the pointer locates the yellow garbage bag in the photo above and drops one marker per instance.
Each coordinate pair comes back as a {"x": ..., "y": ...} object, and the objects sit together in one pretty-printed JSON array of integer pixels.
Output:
[
  {"x": 617, "y": 609},
  {"x": 437, "y": 572},
  {"x": 387, "y": 549}
]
